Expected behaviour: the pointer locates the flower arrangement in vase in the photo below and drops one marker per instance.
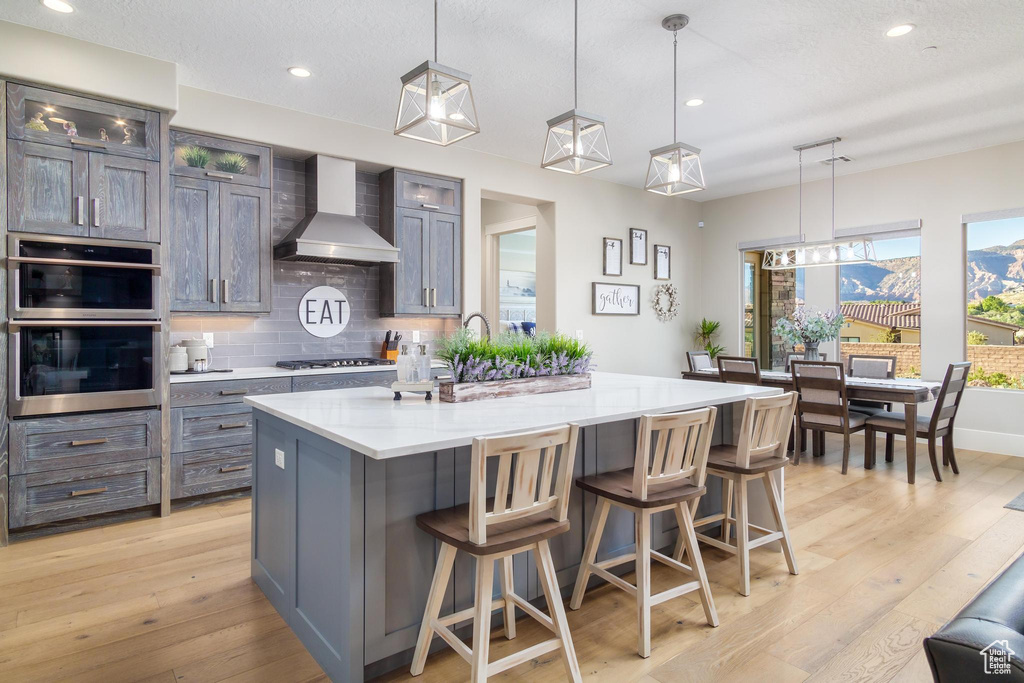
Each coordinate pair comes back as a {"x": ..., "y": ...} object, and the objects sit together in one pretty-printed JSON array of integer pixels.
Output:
[{"x": 810, "y": 329}]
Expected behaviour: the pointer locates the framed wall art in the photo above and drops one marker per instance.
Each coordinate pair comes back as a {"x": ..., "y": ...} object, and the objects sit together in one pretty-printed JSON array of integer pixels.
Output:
[
  {"x": 616, "y": 299},
  {"x": 612, "y": 256},
  {"x": 637, "y": 247},
  {"x": 662, "y": 262}
]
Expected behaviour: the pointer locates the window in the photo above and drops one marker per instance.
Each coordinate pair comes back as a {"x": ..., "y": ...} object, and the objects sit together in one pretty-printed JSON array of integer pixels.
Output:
[
  {"x": 881, "y": 302},
  {"x": 995, "y": 303}
]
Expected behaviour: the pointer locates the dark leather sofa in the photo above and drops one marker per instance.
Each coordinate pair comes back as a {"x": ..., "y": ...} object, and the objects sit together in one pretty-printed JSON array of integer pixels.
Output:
[{"x": 985, "y": 640}]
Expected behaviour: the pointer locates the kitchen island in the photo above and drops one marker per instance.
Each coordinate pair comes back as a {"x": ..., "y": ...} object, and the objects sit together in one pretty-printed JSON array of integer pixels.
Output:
[{"x": 340, "y": 477}]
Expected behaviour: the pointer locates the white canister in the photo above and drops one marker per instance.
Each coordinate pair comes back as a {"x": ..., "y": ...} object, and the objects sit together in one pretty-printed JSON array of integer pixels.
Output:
[
  {"x": 177, "y": 361},
  {"x": 198, "y": 354}
]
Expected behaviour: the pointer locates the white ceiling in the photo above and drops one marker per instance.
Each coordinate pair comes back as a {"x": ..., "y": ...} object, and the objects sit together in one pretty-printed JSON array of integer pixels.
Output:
[{"x": 773, "y": 73}]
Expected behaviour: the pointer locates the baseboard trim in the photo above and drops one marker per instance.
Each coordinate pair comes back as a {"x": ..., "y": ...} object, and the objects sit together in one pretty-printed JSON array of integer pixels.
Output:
[{"x": 990, "y": 442}]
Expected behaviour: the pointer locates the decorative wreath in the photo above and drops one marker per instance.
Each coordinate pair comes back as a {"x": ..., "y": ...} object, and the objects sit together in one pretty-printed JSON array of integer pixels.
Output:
[{"x": 665, "y": 302}]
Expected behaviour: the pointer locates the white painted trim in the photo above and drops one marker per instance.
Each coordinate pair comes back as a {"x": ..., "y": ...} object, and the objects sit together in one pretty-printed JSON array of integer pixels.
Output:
[
  {"x": 889, "y": 230},
  {"x": 999, "y": 215},
  {"x": 754, "y": 245},
  {"x": 511, "y": 225},
  {"x": 1002, "y": 443}
]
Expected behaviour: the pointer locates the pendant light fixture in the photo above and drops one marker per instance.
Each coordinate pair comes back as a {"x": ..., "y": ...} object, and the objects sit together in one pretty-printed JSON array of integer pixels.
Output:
[
  {"x": 825, "y": 253},
  {"x": 437, "y": 103},
  {"x": 576, "y": 141},
  {"x": 675, "y": 169}
]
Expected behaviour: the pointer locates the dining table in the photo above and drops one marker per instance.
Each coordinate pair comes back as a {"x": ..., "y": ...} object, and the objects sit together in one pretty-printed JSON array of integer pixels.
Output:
[{"x": 908, "y": 391}]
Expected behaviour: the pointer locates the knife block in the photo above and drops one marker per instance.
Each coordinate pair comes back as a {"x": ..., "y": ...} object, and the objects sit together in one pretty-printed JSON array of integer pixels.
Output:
[{"x": 389, "y": 351}]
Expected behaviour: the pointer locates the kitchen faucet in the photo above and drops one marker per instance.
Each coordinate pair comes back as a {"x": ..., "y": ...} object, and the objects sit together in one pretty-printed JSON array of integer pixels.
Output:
[{"x": 478, "y": 314}]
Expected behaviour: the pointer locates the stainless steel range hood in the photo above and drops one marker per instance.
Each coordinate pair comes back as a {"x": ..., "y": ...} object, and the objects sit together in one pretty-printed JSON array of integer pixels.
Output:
[{"x": 331, "y": 232}]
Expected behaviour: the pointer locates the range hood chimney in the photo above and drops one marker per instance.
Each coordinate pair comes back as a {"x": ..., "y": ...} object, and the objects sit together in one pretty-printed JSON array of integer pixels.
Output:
[{"x": 330, "y": 232}]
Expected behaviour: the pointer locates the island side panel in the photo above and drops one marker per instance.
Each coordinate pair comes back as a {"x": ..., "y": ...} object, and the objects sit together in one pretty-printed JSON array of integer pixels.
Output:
[{"x": 308, "y": 538}]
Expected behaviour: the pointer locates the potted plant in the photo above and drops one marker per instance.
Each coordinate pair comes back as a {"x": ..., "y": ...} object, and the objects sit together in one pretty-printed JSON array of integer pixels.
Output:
[
  {"x": 512, "y": 364},
  {"x": 232, "y": 162},
  {"x": 704, "y": 337},
  {"x": 810, "y": 329},
  {"x": 195, "y": 156}
]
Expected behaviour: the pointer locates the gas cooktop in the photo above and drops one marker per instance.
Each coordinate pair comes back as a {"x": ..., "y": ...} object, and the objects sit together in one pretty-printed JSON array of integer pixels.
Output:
[{"x": 331, "y": 363}]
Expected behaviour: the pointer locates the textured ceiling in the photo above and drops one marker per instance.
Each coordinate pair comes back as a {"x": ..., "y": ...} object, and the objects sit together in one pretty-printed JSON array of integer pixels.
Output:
[{"x": 773, "y": 73}]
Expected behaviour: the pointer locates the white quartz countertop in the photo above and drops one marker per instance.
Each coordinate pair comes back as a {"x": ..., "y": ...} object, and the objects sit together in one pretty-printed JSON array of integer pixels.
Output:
[
  {"x": 272, "y": 371},
  {"x": 370, "y": 421}
]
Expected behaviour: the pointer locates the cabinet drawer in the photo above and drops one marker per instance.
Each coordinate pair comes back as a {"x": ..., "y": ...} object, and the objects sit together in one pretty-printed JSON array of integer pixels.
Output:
[
  {"x": 202, "y": 427},
  {"x": 254, "y": 159},
  {"x": 129, "y": 131},
  {"x": 217, "y": 469},
  {"x": 51, "y": 496},
  {"x": 344, "y": 381},
  {"x": 57, "y": 443},
  {"x": 227, "y": 391}
]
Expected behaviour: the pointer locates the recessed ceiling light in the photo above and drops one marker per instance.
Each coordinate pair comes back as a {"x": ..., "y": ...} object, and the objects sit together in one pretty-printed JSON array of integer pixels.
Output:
[
  {"x": 695, "y": 102},
  {"x": 901, "y": 30},
  {"x": 300, "y": 72},
  {"x": 58, "y": 6}
]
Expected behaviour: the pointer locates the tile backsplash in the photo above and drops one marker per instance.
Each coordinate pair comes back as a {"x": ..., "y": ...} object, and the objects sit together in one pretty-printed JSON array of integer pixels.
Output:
[{"x": 249, "y": 341}]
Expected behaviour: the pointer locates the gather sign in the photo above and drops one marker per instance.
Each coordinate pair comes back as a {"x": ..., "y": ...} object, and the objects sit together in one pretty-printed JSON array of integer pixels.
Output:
[{"x": 324, "y": 311}]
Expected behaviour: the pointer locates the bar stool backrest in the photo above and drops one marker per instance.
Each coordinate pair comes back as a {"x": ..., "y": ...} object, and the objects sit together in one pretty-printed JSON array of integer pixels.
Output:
[
  {"x": 739, "y": 370},
  {"x": 527, "y": 482},
  {"x": 764, "y": 431},
  {"x": 949, "y": 395},
  {"x": 671, "y": 447}
]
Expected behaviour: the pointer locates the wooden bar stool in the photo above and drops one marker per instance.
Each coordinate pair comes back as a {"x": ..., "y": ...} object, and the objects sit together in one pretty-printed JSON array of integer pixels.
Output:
[
  {"x": 522, "y": 516},
  {"x": 761, "y": 450},
  {"x": 669, "y": 478}
]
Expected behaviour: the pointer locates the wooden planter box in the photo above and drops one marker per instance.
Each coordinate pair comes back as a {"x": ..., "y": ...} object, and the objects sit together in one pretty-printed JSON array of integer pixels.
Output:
[{"x": 476, "y": 391}]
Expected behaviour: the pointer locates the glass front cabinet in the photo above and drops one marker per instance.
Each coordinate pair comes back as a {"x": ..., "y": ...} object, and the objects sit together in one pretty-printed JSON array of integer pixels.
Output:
[{"x": 209, "y": 158}]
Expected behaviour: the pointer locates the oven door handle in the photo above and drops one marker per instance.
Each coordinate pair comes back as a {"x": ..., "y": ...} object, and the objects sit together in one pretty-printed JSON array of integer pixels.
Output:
[
  {"x": 78, "y": 262},
  {"x": 17, "y": 324}
]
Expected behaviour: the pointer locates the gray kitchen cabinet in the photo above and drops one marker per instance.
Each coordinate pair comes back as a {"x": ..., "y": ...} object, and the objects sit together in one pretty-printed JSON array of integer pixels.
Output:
[
  {"x": 61, "y": 191},
  {"x": 124, "y": 198},
  {"x": 195, "y": 242},
  {"x": 47, "y": 190},
  {"x": 245, "y": 254},
  {"x": 236, "y": 161},
  {"x": 220, "y": 239},
  {"x": 421, "y": 216}
]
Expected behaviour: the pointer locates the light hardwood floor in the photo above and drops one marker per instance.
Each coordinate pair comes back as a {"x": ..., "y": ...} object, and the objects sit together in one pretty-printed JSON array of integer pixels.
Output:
[{"x": 882, "y": 564}]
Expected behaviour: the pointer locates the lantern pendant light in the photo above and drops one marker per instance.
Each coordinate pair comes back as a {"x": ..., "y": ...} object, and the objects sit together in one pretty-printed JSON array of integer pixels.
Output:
[
  {"x": 576, "y": 141},
  {"x": 437, "y": 103},
  {"x": 675, "y": 169},
  {"x": 834, "y": 252}
]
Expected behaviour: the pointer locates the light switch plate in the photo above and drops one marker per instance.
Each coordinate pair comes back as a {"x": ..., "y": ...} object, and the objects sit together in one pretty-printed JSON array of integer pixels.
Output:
[
  {"x": 279, "y": 458},
  {"x": 208, "y": 338},
  {"x": 579, "y": 334},
  {"x": 415, "y": 336}
]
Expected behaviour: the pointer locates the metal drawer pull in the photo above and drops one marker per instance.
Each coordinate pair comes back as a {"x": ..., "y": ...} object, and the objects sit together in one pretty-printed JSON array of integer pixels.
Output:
[
  {"x": 234, "y": 468},
  {"x": 89, "y": 442},
  {"x": 217, "y": 174},
  {"x": 233, "y": 392},
  {"x": 79, "y": 210},
  {"x": 426, "y": 296},
  {"x": 89, "y": 492},
  {"x": 234, "y": 425},
  {"x": 96, "y": 212},
  {"x": 435, "y": 295},
  {"x": 88, "y": 143},
  {"x": 224, "y": 291},
  {"x": 430, "y": 206},
  {"x": 213, "y": 290}
]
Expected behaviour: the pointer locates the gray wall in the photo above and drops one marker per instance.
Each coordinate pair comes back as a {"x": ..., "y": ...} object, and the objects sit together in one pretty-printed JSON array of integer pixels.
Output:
[{"x": 248, "y": 341}]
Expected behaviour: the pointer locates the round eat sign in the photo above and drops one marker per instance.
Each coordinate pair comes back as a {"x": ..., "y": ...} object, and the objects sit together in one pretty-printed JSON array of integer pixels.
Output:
[{"x": 324, "y": 312}]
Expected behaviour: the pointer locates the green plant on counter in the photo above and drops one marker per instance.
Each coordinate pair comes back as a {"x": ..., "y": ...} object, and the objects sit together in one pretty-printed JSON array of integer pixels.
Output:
[
  {"x": 195, "y": 156},
  {"x": 512, "y": 356},
  {"x": 232, "y": 162},
  {"x": 704, "y": 337}
]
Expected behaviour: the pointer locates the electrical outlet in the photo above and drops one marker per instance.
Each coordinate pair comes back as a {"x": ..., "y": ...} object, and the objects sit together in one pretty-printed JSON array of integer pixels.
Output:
[
  {"x": 208, "y": 338},
  {"x": 579, "y": 334},
  {"x": 279, "y": 458},
  {"x": 415, "y": 336}
]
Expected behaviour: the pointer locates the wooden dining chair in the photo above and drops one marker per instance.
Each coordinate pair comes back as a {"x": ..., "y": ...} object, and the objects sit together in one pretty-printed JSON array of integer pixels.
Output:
[
  {"x": 939, "y": 424},
  {"x": 823, "y": 405},
  {"x": 790, "y": 357},
  {"x": 668, "y": 474},
  {"x": 761, "y": 450},
  {"x": 698, "y": 360},
  {"x": 530, "y": 506},
  {"x": 739, "y": 369}
]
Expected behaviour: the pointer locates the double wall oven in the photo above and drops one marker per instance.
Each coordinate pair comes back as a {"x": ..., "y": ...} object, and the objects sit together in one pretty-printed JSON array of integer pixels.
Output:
[{"x": 84, "y": 324}]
